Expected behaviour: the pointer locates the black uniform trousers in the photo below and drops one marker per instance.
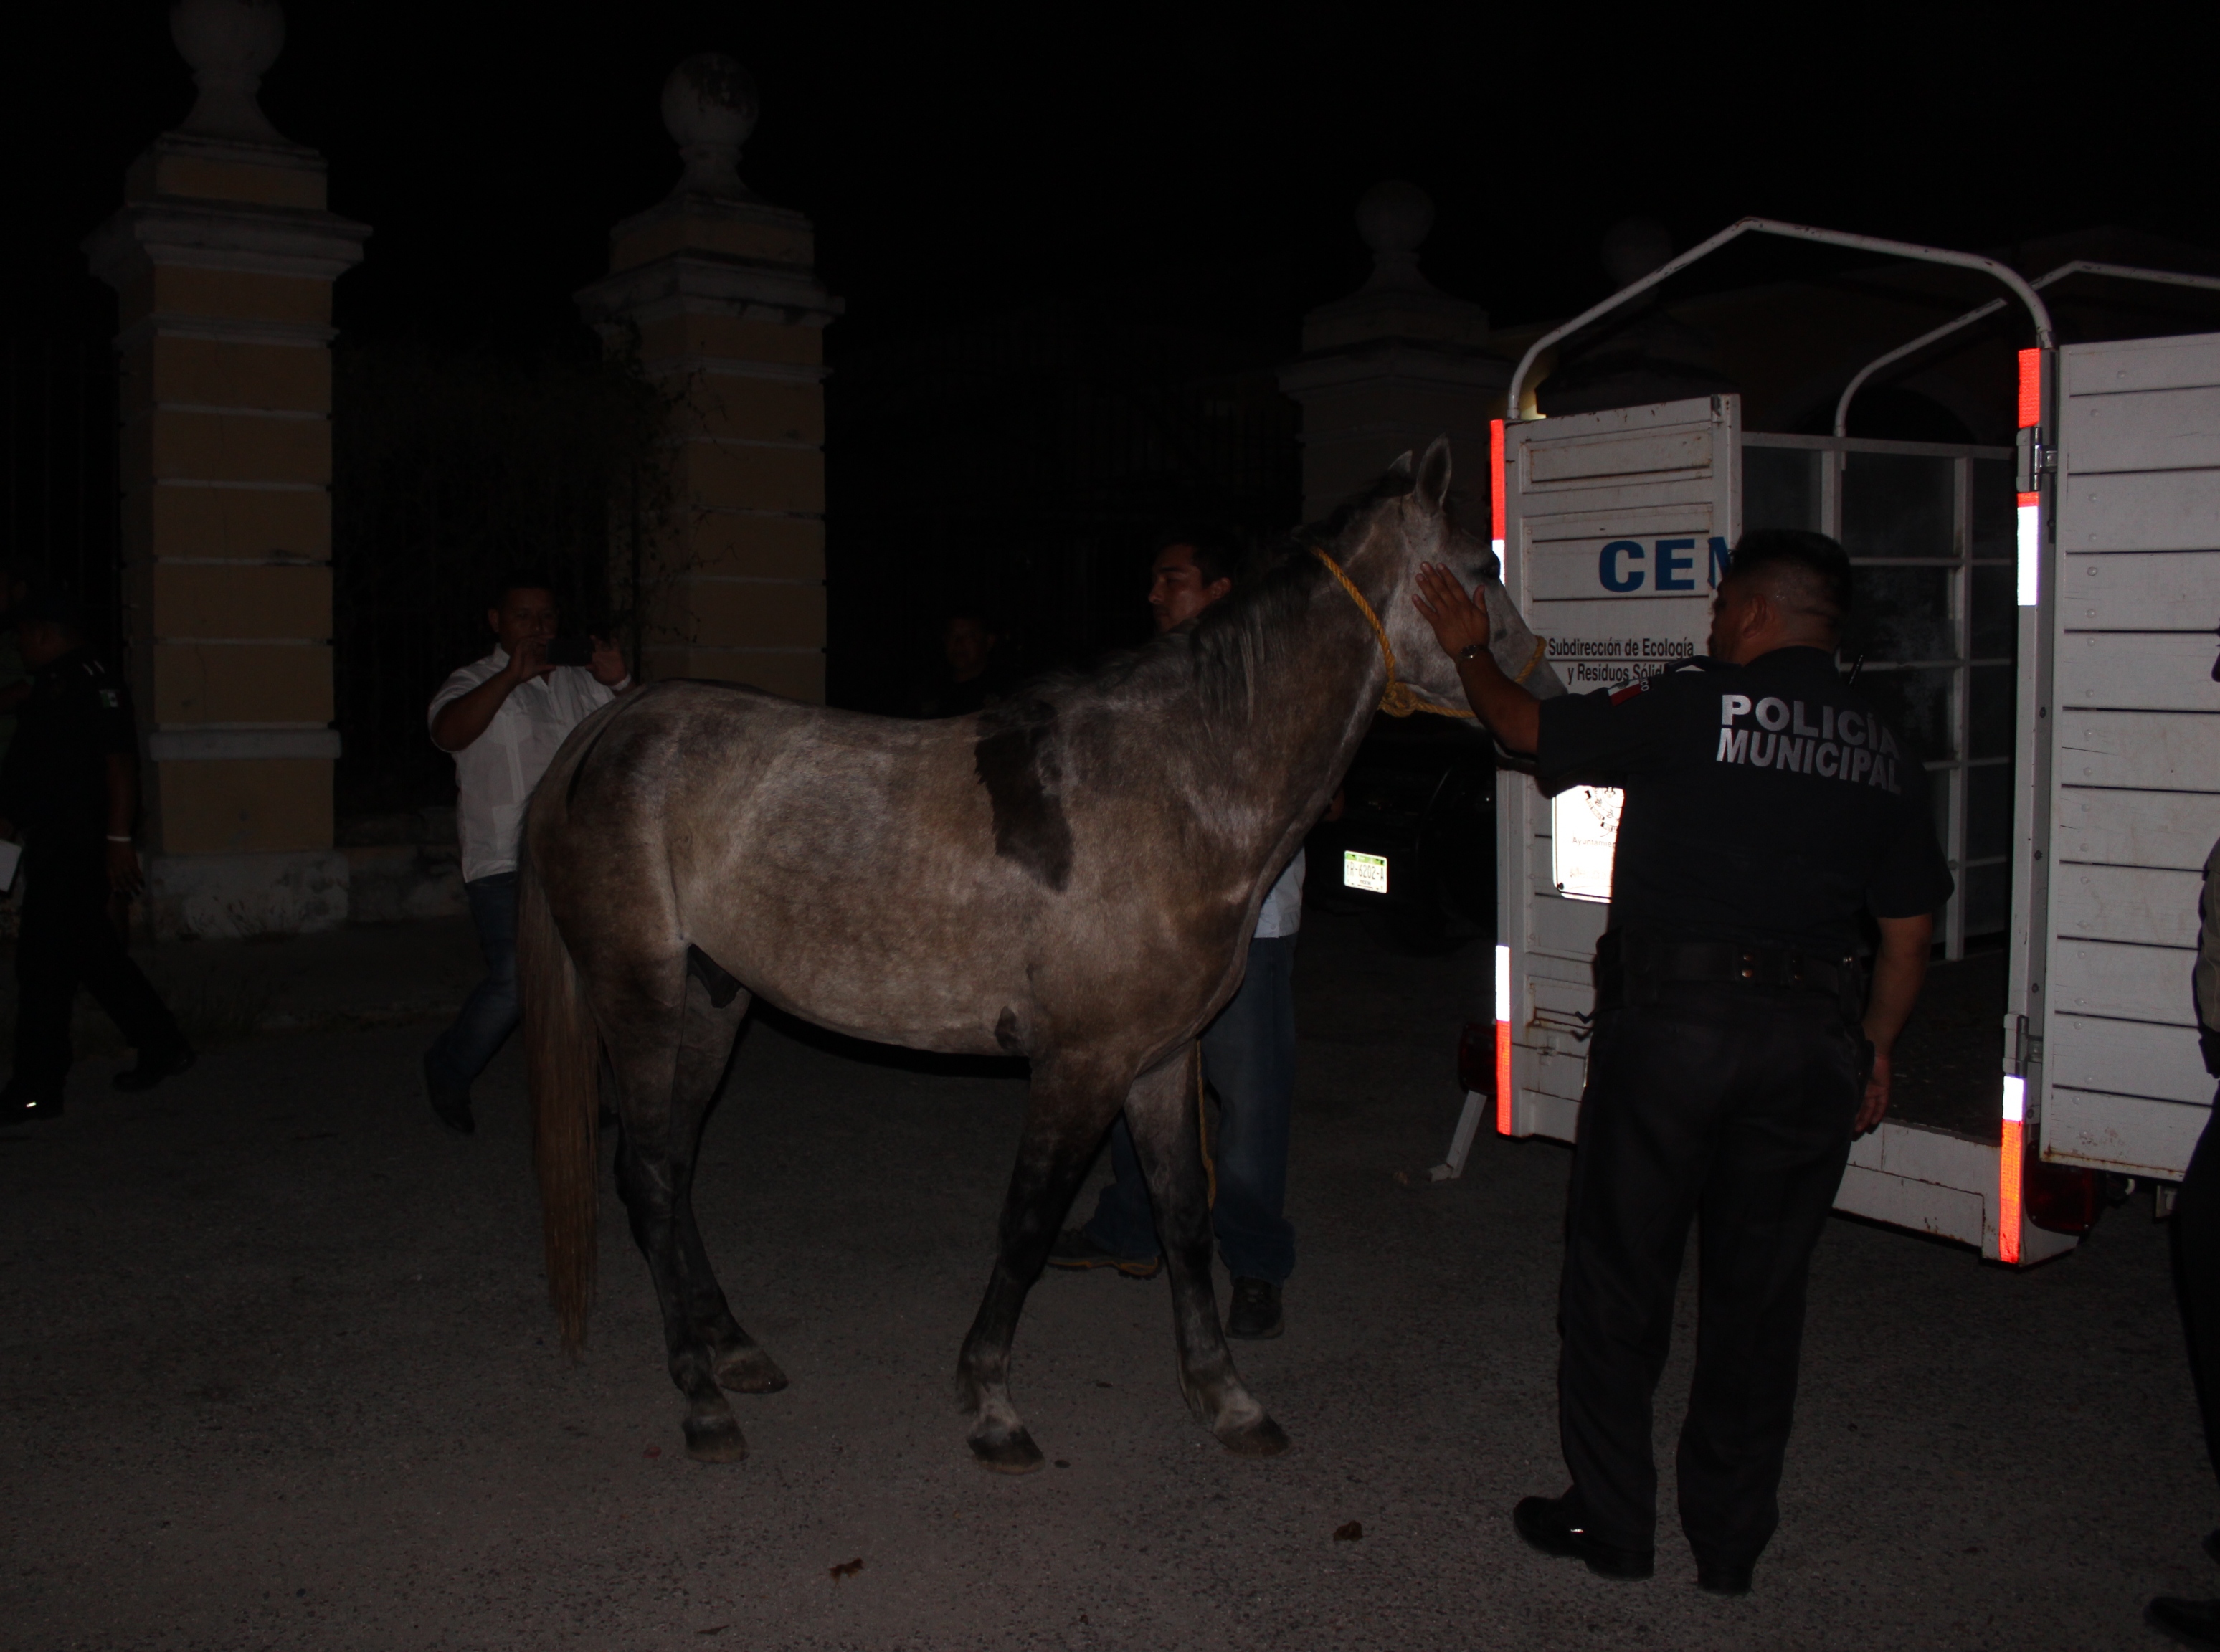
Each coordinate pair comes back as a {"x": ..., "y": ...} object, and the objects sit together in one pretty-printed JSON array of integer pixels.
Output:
[
  {"x": 2197, "y": 1277},
  {"x": 1733, "y": 1102},
  {"x": 66, "y": 941}
]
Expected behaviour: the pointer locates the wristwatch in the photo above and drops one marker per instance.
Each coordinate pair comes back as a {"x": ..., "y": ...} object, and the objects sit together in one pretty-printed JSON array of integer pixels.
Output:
[{"x": 1472, "y": 651}]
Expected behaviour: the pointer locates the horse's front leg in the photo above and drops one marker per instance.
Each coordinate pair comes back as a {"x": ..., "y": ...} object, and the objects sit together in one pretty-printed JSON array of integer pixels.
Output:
[
  {"x": 1164, "y": 1113},
  {"x": 1063, "y": 1128}
]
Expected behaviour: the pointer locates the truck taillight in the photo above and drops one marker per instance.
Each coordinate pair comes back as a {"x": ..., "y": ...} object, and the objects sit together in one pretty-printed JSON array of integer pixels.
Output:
[
  {"x": 2009, "y": 1168},
  {"x": 2062, "y": 1198},
  {"x": 1497, "y": 487},
  {"x": 1503, "y": 1041}
]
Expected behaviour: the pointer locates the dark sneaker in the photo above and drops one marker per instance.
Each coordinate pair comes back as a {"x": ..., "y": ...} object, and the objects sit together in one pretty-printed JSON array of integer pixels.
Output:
[
  {"x": 1549, "y": 1523},
  {"x": 451, "y": 1104},
  {"x": 1075, "y": 1248},
  {"x": 155, "y": 1065},
  {"x": 1255, "y": 1316},
  {"x": 2193, "y": 1623},
  {"x": 19, "y": 1105}
]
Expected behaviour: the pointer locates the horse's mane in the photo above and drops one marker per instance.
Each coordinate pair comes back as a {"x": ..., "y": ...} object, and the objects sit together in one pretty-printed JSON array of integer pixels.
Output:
[{"x": 1215, "y": 659}]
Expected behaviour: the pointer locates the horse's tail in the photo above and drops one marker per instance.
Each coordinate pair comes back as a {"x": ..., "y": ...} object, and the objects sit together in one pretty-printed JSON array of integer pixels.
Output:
[{"x": 562, "y": 1060}]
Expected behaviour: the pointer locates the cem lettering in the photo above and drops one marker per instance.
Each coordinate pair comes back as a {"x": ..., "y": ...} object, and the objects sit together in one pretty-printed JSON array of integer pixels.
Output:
[
  {"x": 1625, "y": 565},
  {"x": 1848, "y": 746}
]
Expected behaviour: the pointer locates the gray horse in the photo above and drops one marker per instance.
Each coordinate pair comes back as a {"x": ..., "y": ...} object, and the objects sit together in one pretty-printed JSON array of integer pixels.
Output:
[{"x": 1071, "y": 877}]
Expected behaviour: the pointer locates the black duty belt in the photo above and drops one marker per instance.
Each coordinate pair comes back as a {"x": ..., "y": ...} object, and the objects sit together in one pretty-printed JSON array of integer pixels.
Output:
[{"x": 1630, "y": 966}]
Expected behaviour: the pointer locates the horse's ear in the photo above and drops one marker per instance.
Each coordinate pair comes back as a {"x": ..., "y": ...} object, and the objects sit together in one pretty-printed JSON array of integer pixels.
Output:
[
  {"x": 1401, "y": 469},
  {"x": 1434, "y": 473}
]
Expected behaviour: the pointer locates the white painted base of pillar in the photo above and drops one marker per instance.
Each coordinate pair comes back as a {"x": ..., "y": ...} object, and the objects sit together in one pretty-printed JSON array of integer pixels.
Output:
[{"x": 236, "y": 897}]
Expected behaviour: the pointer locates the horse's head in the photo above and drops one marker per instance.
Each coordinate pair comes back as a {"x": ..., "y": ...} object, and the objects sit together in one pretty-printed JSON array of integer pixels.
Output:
[{"x": 1404, "y": 519}]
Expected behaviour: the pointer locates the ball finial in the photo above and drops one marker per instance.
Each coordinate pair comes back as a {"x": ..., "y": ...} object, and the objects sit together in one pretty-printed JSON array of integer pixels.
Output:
[
  {"x": 230, "y": 44},
  {"x": 1395, "y": 217},
  {"x": 709, "y": 107}
]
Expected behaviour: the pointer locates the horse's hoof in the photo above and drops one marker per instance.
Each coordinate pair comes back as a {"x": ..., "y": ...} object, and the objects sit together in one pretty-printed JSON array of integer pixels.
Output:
[
  {"x": 1260, "y": 1438},
  {"x": 750, "y": 1370},
  {"x": 717, "y": 1441},
  {"x": 1006, "y": 1453}
]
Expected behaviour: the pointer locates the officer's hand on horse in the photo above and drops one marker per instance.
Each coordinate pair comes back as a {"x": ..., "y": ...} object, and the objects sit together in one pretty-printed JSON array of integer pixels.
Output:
[
  {"x": 123, "y": 868},
  {"x": 608, "y": 665},
  {"x": 1458, "y": 621}
]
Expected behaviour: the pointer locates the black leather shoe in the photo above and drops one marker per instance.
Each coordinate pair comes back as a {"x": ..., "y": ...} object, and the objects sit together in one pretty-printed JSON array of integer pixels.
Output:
[
  {"x": 1715, "y": 1579},
  {"x": 155, "y": 1065},
  {"x": 1547, "y": 1524},
  {"x": 1075, "y": 1248},
  {"x": 19, "y": 1105},
  {"x": 2193, "y": 1623},
  {"x": 450, "y": 1106},
  {"x": 1255, "y": 1315}
]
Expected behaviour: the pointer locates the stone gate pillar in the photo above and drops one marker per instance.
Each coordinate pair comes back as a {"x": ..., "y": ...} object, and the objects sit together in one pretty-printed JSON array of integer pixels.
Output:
[
  {"x": 717, "y": 290},
  {"x": 222, "y": 258},
  {"x": 1392, "y": 366}
]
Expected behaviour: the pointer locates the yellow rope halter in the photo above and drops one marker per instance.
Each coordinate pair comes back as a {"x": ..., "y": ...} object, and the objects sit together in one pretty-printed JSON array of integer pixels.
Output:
[{"x": 1399, "y": 699}]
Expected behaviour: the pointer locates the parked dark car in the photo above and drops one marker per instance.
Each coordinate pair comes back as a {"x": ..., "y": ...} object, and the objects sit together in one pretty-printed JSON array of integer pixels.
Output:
[{"x": 1415, "y": 845}]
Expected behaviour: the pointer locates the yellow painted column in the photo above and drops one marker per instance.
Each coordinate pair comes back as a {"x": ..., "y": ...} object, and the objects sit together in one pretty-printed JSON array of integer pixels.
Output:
[
  {"x": 717, "y": 290},
  {"x": 1393, "y": 365},
  {"x": 222, "y": 258}
]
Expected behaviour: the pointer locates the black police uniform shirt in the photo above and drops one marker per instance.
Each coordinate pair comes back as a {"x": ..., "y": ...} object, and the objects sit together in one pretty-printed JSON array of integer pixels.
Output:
[
  {"x": 54, "y": 782},
  {"x": 1766, "y": 803}
]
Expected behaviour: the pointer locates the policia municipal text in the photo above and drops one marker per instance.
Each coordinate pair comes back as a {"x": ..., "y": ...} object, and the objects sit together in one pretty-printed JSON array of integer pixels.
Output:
[{"x": 1737, "y": 1048}]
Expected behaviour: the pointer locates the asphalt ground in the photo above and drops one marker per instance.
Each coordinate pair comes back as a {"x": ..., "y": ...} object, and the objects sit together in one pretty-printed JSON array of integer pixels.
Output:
[{"x": 276, "y": 1371}]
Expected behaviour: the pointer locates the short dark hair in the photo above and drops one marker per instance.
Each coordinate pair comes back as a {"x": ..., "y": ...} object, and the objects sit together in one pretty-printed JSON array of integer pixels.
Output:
[
  {"x": 1824, "y": 565},
  {"x": 521, "y": 579},
  {"x": 1217, "y": 554}
]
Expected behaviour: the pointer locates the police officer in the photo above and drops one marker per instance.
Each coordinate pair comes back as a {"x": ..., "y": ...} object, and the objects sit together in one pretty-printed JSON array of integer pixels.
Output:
[
  {"x": 1766, "y": 808},
  {"x": 2197, "y": 1251},
  {"x": 71, "y": 784}
]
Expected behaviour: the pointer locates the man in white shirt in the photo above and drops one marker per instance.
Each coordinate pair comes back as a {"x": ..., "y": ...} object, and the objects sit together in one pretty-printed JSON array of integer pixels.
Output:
[
  {"x": 504, "y": 718},
  {"x": 1248, "y": 1056}
]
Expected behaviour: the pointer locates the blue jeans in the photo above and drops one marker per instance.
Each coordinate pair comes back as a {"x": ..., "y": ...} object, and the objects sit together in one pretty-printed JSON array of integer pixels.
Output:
[
  {"x": 1249, "y": 1056},
  {"x": 491, "y": 1014}
]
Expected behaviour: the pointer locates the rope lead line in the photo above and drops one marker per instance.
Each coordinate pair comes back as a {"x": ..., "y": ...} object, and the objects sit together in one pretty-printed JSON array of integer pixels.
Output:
[{"x": 1399, "y": 699}]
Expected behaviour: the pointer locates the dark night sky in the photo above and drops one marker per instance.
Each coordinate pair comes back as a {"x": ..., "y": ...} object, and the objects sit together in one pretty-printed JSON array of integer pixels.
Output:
[{"x": 1201, "y": 163}]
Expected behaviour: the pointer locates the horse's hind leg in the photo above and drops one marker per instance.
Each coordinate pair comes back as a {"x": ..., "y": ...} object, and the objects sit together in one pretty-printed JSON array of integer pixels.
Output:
[
  {"x": 1063, "y": 1128},
  {"x": 705, "y": 1049},
  {"x": 666, "y": 1062},
  {"x": 1163, "y": 1113}
]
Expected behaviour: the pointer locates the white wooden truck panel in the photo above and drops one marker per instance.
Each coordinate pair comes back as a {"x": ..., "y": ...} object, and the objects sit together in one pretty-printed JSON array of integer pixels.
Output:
[
  {"x": 2135, "y": 753},
  {"x": 2128, "y": 1058},
  {"x": 2125, "y": 903},
  {"x": 1568, "y": 928},
  {"x": 2130, "y": 590},
  {"x": 2150, "y": 752},
  {"x": 2153, "y": 510},
  {"x": 2159, "y": 429},
  {"x": 2128, "y": 1134},
  {"x": 2174, "y": 830},
  {"x": 2137, "y": 671},
  {"x": 2141, "y": 364},
  {"x": 1614, "y": 460},
  {"x": 2139, "y": 982}
]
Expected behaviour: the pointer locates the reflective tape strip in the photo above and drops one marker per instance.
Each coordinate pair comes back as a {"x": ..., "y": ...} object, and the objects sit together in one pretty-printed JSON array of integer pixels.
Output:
[
  {"x": 2015, "y": 1100},
  {"x": 2029, "y": 560},
  {"x": 1503, "y": 1040},
  {"x": 2008, "y": 1173},
  {"x": 2030, "y": 389},
  {"x": 1497, "y": 486}
]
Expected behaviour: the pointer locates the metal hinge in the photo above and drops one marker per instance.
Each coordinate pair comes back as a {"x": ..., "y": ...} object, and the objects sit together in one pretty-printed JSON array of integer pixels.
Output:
[{"x": 2027, "y": 1047}]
